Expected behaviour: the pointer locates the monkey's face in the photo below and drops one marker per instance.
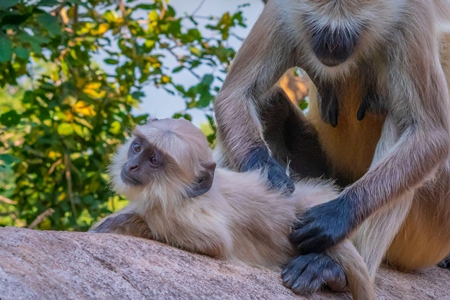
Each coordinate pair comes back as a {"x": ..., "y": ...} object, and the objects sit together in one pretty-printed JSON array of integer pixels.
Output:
[
  {"x": 144, "y": 162},
  {"x": 163, "y": 159},
  {"x": 341, "y": 31}
]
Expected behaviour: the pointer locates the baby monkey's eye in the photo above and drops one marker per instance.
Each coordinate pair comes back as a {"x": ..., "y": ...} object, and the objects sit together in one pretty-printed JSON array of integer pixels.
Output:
[
  {"x": 154, "y": 161},
  {"x": 136, "y": 147}
]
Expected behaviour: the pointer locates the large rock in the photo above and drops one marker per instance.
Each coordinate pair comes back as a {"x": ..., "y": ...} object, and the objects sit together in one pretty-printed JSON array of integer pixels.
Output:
[{"x": 72, "y": 265}]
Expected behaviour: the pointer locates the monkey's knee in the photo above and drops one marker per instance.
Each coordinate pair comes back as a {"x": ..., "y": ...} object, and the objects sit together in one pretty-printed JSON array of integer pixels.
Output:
[{"x": 308, "y": 273}]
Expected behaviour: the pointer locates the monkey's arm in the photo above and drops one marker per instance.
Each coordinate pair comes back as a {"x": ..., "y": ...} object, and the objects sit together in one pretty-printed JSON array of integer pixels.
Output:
[
  {"x": 124, "y": 222},
  {"x": 264, "y": 56},
  {"x": 414, "y": 142}
]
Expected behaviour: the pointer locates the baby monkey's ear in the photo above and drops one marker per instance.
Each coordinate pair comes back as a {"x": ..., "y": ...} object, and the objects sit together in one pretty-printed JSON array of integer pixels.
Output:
[{"x": 203, "y": 182}]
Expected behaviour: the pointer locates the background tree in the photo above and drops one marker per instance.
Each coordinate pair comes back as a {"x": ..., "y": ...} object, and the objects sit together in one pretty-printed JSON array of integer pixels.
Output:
[{"x": 62, "y": 115}]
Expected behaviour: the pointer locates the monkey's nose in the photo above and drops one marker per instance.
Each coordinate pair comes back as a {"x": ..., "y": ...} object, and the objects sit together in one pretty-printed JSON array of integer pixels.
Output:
[
  {"x": 133, "y": 167},
  {"x": 333, "y": 46}
]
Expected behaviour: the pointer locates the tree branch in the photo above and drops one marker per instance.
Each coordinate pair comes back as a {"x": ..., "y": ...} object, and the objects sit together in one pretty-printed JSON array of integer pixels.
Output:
[
  {"x": 41, "y": 218},
  {"x": 6, "y": 200}
]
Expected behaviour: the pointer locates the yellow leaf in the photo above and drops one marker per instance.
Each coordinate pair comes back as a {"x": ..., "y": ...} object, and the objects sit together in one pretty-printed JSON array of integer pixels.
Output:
[
  {"x": 62, "y": 196},
  {"x": 95, "y": 94},
  {"x": 54, "y": 155},
  {"x": 84, "y": 109},
  {"x": 93, "y": 86},
  {"x": 102, "y": 28}
]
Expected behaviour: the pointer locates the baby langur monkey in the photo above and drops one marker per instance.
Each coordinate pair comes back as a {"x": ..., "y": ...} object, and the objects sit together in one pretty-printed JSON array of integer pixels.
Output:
[{"x": 177, "y": 196}]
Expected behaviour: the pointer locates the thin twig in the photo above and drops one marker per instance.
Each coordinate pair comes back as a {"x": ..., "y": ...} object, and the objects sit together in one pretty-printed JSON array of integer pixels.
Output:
[
  {"x": 198, "y": 8},
  {"x": 54, "y": 165},
  {"x": 69, "y": 184},
  {"x": 41, "y": 218},
  {"x": 6, "y": 200},
  {"x": 122, "y": 9},
  {"x": 176, "y": 56}
]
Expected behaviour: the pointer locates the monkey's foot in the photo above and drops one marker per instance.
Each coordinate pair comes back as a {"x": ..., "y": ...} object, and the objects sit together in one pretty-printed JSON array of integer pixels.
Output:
[
  {"x": 445, "y": 263},
  {"x": 278, "y": 179},
  {"x": 308, "y": 273}
]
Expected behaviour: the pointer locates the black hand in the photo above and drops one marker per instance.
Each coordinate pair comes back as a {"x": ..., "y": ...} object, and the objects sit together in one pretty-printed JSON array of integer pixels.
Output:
[
  {"x": 324, "y": 225},
  {"x": 306, "y": 274},
  {"x": 445, "y": 263},
  {"x": 260, "y": 158},
  {"x": 328, "y": 104}
]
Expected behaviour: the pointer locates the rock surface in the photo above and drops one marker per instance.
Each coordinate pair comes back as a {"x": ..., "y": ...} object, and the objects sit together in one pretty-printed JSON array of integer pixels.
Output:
[{"x": 73, "y": 265}]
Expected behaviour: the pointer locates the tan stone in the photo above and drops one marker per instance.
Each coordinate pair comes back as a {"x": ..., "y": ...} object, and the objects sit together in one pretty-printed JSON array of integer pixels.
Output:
[{"x": 72, "y": 265}]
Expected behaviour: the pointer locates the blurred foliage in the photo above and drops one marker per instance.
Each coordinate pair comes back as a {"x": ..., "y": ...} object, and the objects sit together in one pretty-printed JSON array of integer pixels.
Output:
[{"x": 62, "y": 114}]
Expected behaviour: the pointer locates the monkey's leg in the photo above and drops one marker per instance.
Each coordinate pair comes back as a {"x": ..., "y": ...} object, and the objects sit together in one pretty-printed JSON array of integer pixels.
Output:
[
  {"x": 292, "y": 139},
  {"x": 126, "y": 223},
  {"x": 424, "y": 238},
  {"x": 376, "y": 234}
]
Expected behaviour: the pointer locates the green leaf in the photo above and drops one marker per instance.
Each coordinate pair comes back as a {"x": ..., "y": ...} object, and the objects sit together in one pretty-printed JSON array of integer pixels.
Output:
[
  {"x": 146, "y": 6},
  {"x": 10, "y": 118},
  {"x": 22, "y": 53},
  {"x": 177, "y": 69},
  {"x": 115, "y": 127},
  {"x": 14, "y": 19},
  {"x": 6, "y": 49},
  {"x": 48, "y": 2},
  {"x": 137, "y": 95},
  {"x": 65, "y": 129},
  {"x": 9, "y": 159},
  {"x": 50, "y": 23},
  {"x": 195, "y": 51},
  {"x": 5, "y": 4},
  {"x": 207, "y": 80},
  {"x": 111, "y": 61},
  {"x": 204, "y": 100}
]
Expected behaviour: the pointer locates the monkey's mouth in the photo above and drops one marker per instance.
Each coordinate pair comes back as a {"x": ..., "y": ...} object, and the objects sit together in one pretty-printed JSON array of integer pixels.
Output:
[{"x": 130, "y": 180}]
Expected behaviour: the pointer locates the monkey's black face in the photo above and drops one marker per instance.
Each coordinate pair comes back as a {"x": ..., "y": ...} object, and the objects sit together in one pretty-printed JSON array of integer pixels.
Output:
[
  {"x": 333, "y": 46},
  {"x": 144, "y": 160}
]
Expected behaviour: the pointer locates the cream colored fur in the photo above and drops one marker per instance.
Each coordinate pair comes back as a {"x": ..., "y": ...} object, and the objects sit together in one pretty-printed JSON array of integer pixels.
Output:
[{"x": 238, "y": 219}]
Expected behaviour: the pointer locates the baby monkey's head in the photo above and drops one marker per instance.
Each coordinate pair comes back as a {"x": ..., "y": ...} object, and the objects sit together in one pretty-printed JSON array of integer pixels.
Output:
[{"x": 164, "y": 159}]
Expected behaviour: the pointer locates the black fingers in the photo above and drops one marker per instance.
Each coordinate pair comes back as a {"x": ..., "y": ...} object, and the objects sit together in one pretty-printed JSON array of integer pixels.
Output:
[
  {"x": 324, "y": 225},
  {"x": 328, "y": 103},
  {"x": 445, "y": 263},
  {"x": 363, "y": 109},
  {"x": 308, "y": 273},
  {"x": 259, "y": 158},
  {"x": 372, "y": 102}
]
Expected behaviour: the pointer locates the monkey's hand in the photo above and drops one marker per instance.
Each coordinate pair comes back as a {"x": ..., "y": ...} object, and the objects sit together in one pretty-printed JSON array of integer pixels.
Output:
[
  {"x": 324, "y": 225},
  {"x": 307, "y": 273},
  {"x": 260, "y": 158},
  {"x": 445, "y": 263},
  {"x": 328, "y": 104}
]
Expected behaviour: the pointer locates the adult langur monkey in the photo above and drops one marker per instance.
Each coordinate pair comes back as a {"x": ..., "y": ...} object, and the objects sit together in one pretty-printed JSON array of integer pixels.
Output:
[{"x": 381, "y": 112}]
